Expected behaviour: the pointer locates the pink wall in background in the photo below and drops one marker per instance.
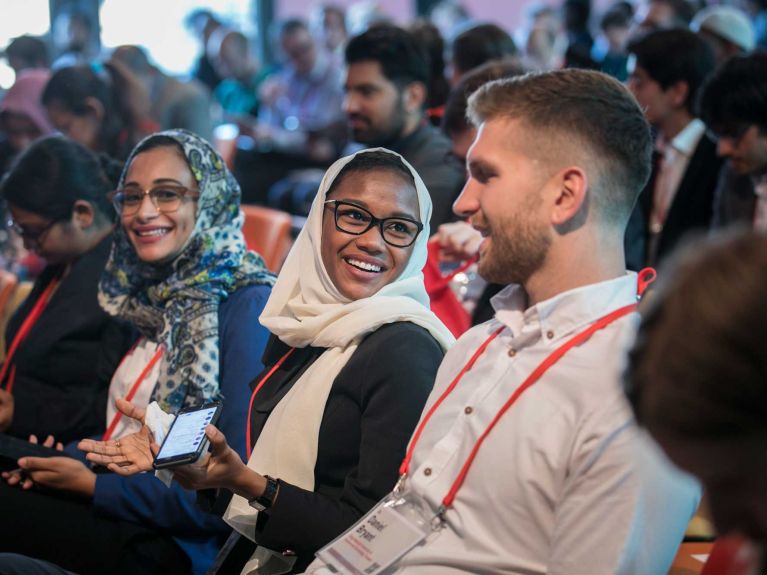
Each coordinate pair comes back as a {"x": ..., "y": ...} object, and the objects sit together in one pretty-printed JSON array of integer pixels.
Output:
[{"x": 507, "y": 13}]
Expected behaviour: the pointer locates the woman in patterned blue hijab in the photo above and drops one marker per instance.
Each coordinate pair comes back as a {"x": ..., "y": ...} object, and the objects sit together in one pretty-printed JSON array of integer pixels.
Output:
[{"x": 168, "y": 273}]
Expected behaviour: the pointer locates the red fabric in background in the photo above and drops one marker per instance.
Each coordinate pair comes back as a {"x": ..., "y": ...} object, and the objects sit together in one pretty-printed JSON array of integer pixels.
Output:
[{"x": 444, "y": 303}]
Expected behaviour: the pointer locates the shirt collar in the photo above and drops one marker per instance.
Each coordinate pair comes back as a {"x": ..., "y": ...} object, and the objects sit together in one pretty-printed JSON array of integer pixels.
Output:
[
  {"x": 687, "y": 140},
  {"x": 564, "y": 313},
  {"x": 760, "y": 185}
]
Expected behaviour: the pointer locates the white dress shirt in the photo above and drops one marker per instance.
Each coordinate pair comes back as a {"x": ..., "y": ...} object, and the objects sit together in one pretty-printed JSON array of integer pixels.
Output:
[
  {"x": 676, "y": 158},
  {"x": 760, "y": 210},
  {"x": 565, "y": 484}
]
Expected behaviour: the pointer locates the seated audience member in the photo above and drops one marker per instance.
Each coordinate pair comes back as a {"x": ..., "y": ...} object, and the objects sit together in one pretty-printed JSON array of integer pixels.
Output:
[
  {"x": 527, "y": 459},
  {"x": 705, "y": 402},
  {"x": 75, "y": 38},
  {"x": 174, "y": 104},
  {"x": 353, "y": 357},
  {"x": 237, "y": 90},
  {"x": 543, "y": 39},
  {"x": 300, "y": 109},
  {"x": 733, "y": 103},
  {"x": 99, "y": 107},
  {"x": 455, "y": 125},
  {"x": 180, "y": 274},
  {"x": 22, "y": 121},
  {"x": 27, "y": 52},
  {"x": 202, "y": 23},
  {"x": 22, "y": 117},
  {"x": 663, "y": 14},
  {"x": 575, "y": 17},
  {"x": 679, "y": 197},
  {"x": 62, "y": 348},
  {"x": 428, "y": 36},
  {"x": 386, "y": 79},
  {"x": 610, "y": 48},
  {"x": 727, "y": 30},
  {"x": 328, "y": 24},
  {"x": 450, "y": 17},
  {"x": 479, "y": 45},
  {"x": 300, "y": 122}
]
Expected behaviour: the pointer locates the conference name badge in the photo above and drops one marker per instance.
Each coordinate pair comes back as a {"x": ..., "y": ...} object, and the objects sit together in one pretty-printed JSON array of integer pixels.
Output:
[{"x": 378, "y": 540}]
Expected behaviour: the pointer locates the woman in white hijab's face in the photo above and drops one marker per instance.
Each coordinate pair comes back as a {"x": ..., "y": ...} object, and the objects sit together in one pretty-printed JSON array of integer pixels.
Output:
[{"x": 369, "y": 228}]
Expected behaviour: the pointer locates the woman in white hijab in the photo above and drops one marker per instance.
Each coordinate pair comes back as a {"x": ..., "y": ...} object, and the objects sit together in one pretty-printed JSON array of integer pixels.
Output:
[{"x": 353, "y": 356}]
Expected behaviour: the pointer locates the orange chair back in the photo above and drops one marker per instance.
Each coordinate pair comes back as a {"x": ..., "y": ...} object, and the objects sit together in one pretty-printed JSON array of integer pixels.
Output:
[{"x": 267, "y": 231}]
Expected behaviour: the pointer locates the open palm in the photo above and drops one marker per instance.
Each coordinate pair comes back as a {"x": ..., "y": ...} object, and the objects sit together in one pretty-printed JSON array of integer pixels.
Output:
[{"x": 128, "y": 455}]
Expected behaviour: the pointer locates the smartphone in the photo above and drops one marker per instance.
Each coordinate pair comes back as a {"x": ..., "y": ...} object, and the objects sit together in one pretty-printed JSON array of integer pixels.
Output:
[{"x": 186, "y": 439}]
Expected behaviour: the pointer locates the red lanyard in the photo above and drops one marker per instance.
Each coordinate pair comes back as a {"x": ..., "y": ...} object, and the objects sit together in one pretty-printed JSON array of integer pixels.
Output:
[
  {"x": 645, "y": 277},
  {"x": 275, "y": 367},
  {"x": 134, "y": 388},
  {"x": 26, "y": 326}
]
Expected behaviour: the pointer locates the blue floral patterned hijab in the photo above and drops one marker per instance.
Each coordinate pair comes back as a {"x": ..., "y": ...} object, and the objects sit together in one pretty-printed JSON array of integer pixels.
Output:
[{"x": 177, "y": 303}]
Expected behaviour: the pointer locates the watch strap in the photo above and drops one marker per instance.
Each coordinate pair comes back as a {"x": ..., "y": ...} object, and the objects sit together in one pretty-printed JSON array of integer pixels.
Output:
[{"x": 267, "y": 498}]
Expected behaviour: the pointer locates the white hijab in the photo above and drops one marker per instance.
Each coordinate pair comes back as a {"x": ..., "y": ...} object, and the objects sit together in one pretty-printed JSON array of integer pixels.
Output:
[{"x": 306, "y": 309}]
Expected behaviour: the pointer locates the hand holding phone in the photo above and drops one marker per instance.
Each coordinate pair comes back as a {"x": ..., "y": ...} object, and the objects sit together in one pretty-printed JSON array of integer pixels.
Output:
[{"x": 186, "y": 441}]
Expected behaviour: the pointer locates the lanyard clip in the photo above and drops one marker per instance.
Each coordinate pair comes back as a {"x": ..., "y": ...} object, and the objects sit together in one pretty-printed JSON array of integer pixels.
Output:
[
  {"x": 399, "y": 487},
  {"x": 438, "y": 522}
]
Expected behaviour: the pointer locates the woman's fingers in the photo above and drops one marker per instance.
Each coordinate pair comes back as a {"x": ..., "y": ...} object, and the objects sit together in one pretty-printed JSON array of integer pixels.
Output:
[
  {"x": 107, "y": 459},
  {"x": 218, "y": 445},
  {"x": 99, "y": 447},
  {"x": 130, "y": 410}
]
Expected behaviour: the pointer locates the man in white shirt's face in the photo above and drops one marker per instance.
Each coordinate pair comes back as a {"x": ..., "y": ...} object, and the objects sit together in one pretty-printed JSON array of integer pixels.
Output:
[{"x": 553, "y": 179}]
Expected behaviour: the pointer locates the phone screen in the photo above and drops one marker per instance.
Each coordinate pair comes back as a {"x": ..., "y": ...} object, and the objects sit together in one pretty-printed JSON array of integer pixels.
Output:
[{"x": 187, "y": 433}]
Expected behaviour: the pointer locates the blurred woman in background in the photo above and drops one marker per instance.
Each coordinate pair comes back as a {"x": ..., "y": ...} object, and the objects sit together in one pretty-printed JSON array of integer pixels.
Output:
[{"x": 62, "y": 348}]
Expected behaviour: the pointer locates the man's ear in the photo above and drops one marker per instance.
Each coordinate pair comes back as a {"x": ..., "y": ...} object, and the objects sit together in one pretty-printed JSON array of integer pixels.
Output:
[
  {"x": 414, "y": 96},
  {"x": 679, "y": 91},
  {"x": 95, "y": 108},
  {"x": 83, "y": 214},
  {"x": 571, "y": 198}
]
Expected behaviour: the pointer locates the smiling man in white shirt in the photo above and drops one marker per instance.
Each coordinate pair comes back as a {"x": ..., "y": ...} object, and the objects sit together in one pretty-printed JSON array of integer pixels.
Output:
[{"x": 561, "y": 482}]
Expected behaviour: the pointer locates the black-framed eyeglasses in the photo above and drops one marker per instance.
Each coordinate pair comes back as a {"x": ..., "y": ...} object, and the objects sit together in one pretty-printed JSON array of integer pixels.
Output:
[
  {"x": 166, "y": 198},
  {"x": 36, "y": 236},
  {"x": 352, "y": 219}
]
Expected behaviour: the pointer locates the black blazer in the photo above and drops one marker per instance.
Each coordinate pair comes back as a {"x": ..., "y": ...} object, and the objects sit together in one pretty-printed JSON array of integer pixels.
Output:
[
  {"x": 64, "y": 366},
  {"x": 691, "y": 209},
  {"x": 734, "y": 200},
  {"x": 373, "y": 407}
]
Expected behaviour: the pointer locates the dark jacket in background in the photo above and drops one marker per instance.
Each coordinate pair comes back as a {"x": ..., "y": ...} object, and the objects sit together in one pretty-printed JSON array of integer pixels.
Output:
[
  {"x": 691, "y": 210},
  {"x": 428, "y": 151},
  {"x": 65, "y": 364},
  {"x": 734, "y": 200}
]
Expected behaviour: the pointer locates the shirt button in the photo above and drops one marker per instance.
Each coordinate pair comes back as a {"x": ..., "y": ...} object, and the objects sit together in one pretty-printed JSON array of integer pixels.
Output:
[
  {"x": 550, "y": 334},
  {"x": 512, "y": 352},
  {"x": 468, "y": 410},
  {"x": 427, "y": 471}
]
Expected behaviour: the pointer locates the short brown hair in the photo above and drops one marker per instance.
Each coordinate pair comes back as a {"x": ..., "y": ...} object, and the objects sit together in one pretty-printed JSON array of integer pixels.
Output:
[{"x": 590, "y": 108}]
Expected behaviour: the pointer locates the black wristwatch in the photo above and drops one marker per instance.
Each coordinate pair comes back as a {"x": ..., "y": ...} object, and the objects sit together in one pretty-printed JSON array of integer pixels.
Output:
[{"x": 267, "y": 498}]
